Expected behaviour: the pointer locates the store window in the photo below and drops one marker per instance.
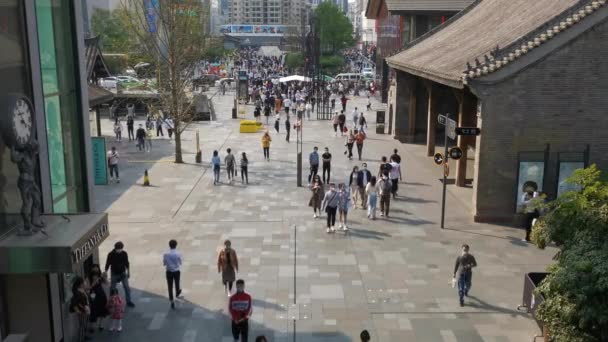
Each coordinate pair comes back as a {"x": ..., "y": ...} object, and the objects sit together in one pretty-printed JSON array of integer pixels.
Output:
[
  {"x": 531, "y": 174},
  {"x": 16, "y": 78},
  {"x": 63, "y": 118}
]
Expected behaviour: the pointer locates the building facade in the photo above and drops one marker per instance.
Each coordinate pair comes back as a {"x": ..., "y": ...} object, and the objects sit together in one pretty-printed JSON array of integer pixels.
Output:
[
  {"x": 399, "y": 22},
  {"x": 45, "y": 166},
  {"x": 535, "y": 85},
  {"x": 268, "y": 12}
]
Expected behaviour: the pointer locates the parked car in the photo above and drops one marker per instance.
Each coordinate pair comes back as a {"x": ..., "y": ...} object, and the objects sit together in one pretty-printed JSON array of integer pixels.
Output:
[
  {"x": 128, "y": 79},
  {"x": 367, "y": 72},
  {"x": 227, "y": 80},
  {"x": 206, "y": 79},
  {"x": 109, "y": 82}
]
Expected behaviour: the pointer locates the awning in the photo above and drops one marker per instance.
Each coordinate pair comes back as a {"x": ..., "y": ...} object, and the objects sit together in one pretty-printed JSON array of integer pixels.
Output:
[
  {"x": 294, "y": 78},
  {"x": 71, "y": 239},
  {"x": 99, "y": 95}
]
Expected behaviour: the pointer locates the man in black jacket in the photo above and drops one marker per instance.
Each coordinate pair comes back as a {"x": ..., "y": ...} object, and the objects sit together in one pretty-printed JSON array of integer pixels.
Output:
[
  {"x": 141, "y": 137},
  {"x": 363, "y": 177},
  {"x": 118, "y": 260},
  {"x": 130, "y": 127}
]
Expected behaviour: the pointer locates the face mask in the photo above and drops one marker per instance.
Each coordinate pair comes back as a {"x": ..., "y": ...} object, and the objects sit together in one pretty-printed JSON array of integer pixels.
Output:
[
  {"x": 240, "y": 289},
  {"x": 118, "y": 250}
]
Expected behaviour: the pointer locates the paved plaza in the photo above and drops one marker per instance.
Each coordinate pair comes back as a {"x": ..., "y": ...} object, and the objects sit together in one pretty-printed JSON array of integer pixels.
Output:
[{"x": 390, "y": 276}]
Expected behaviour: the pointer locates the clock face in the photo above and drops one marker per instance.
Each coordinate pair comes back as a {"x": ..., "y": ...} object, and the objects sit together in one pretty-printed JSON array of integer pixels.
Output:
[{"x": 22, "y": 121}]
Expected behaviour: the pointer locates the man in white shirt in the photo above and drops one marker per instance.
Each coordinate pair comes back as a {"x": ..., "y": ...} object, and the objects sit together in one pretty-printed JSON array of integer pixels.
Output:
[
  {"x": 395, "y": 176},
  {"x": 287, "y": 104},
  {"x": 172, "y": 260},
  {"x": 355, "y": 117}
]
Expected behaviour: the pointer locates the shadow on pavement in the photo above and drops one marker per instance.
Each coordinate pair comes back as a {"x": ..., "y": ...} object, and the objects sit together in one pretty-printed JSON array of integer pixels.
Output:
[
  {"x": 152, "y": 320},
  {"x": 367, "y": 234}
]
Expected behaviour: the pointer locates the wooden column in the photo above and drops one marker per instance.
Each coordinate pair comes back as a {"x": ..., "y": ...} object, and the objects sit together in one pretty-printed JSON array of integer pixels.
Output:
[
  {"x": 432, "y": 118},
  {"x": 466, "y": 118},
  {"x": 411, "y": 126}
]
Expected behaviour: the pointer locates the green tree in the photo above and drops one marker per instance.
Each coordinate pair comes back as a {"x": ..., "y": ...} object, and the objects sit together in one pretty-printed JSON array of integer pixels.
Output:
[
  {"x": 335, "y": 30},
  {"x": 294, "y": 60},
  {"x": 177, "y": 43},
  {"x": 331, "y": 64},
  {"x": 113, "y": 30},
  {"x": 576, "y": 291}
]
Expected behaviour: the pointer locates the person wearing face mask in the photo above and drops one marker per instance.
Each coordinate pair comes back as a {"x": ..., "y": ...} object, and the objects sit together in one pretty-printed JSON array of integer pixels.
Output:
[
  {"x": 118, "y": 260},
  {"x": 354, "y": 185},
  {"x": 463, "y": 272},
  {"x": 363, "y": 178},
  {"x": 240, "y": 310},
  {"x": 330, "y": 206},
  {"x": 228, "y": 265},
  {"x": 97, "y": 298}
]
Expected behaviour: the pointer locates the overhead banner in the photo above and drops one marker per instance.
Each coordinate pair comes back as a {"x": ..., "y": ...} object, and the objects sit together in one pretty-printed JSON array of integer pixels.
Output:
[{"x": 151, "y": 6}]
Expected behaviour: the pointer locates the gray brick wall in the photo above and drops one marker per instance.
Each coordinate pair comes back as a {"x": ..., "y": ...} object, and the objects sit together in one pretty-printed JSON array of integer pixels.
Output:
[{"x": 561, "y": 100}]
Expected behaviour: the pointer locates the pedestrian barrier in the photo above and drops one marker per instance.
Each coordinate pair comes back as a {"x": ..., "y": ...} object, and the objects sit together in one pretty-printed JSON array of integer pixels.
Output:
[
  {"x": 531, "y": 301},
  {"x": 250, "y": 126}
]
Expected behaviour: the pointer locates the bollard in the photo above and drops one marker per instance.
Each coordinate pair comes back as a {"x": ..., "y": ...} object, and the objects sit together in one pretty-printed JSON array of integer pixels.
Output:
[{"x": 146, "y": 178}]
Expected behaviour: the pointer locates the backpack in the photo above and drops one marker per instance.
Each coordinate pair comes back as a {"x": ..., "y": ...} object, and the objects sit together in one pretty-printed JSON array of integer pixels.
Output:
[{"x": 386, "y": 186}]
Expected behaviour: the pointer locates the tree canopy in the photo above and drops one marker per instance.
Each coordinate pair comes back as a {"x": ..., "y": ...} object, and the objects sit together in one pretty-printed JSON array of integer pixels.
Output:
[
  {"x": 335, "y": 30},
  {"x": 576, "y": 290},
  {"x": 113, "y": 30}
]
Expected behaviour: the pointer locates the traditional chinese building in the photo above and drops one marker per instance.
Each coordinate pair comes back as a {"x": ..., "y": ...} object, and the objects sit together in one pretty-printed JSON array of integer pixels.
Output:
[
  {"x": 398, "y": 22},
  {"x": 533, "y": 75}
]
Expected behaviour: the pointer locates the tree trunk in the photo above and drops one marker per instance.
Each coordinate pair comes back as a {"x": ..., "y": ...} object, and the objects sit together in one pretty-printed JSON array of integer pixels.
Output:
[{"x": 178, "y": 147}]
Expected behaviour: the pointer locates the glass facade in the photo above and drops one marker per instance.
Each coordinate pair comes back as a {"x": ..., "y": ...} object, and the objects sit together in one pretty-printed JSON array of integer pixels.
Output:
[
  {"x": 58, "y": 59},
  {"x": 15, "y": 76}
]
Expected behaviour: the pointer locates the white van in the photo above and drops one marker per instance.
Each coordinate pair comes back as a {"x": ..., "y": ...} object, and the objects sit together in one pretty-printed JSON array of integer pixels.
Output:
[{"x": 347, "y": 77}]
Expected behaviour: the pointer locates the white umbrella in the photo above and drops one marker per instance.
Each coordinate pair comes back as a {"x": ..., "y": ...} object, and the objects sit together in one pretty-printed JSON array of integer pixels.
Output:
[{"x": 294, "y": 78}]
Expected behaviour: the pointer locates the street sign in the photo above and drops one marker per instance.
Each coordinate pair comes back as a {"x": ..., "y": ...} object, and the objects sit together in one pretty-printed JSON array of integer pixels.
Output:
[
  {"x": 438, "y": 158},
  {"x": 455, "y": 153},
  {"x": 468, "y": 130},
  {"x": 446, "y": 170},
  {"x": 450, "y": 125}
]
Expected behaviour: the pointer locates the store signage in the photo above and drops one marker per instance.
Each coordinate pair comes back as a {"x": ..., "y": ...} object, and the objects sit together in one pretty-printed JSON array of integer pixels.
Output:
[
  {"x": 468, "y": 131},
  {"x": 100, "y": 164},
  {"x": 455, "y": 153},
  {"x": 82, "y": 251}
]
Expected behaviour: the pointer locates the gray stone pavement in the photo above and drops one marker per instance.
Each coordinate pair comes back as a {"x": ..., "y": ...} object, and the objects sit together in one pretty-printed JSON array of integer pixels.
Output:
[{"x": 390, "y": 276}]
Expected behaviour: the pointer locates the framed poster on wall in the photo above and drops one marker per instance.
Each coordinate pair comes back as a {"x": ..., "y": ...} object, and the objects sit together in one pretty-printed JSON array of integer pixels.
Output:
[
  {"x": 531, "y": 174},
  {"x": 566, "y": 169}
]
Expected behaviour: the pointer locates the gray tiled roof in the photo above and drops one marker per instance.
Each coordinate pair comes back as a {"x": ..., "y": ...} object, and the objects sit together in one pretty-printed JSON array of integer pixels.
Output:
[
  {"x": 427, "y": 5},
  {"x": 442, "y": 54}
]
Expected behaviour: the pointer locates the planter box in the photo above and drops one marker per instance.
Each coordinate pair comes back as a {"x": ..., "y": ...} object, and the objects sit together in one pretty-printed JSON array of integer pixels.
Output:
[{"x": 530, "y": 300}]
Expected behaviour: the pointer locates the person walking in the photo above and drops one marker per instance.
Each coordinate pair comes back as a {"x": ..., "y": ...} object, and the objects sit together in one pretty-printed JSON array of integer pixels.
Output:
[
  {"x": 172, "y": 260},
  {"x": 113, "y": 159},
  {"x": 350, "y": 141},
  {"x": 362, "y": 123},
  {"x": 228, "y": 266},
  {"x": 149, "y": 131},
  {"x": 326, "y": 156},
  {"x": 140, "y": 135},
  {"x": 230, "y": 162},
  {"x": 369, "y": 103},
  {"x": 371, "y": 192},
  {"x": 463, "y": 272},
  {"x": 316, "y": 198},
  {"x": 385, "y": 168},
  {"x": 215, "y": 163},
  {"x": 169, "y": 127},
  {"x": 79, "y": 304},
  {"x": 385, "y": 187},
  {"x": 313, "y": 160},
  {"x": 130, "y": 123},
  {"x": 240, "y": 308},
  {"x": 334, "y": 122},
  {"x": 118, "y": 129},
  {"x": 118, "y": 261},
  {"x": 287, "y": 105},
  {"x": 395, "y": 176},
  {"x": 343, "y": 100},
  {"x": 359, "y": 138},
  {"x": 396, "y": 157},
  {"x": 330, "y": 206},
  {"x": 341, "y": 122},
  {"x": 267, "y": 112},
  {"x": 244, "y": 165},
  {"x": 308, "y": 108},
  {"x": 287, "y": 128},
  {"x": 353, "y": 183},
  {"x": 116, "y": 307},
  {"x": 277, "y": 119},
  {"x": 355, "y": 116},
  {"x": 159, "y": 127},
  {"x": 266, "y": 145},
  {"x": 344, "y": 202}
]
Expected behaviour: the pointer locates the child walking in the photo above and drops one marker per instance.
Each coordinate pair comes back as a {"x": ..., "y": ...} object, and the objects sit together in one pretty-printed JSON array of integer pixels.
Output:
[{"x": 116, "y": 306}]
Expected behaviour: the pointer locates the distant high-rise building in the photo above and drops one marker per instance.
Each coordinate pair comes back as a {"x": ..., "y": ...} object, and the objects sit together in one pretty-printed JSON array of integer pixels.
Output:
[{"x": 269, "y": 12}]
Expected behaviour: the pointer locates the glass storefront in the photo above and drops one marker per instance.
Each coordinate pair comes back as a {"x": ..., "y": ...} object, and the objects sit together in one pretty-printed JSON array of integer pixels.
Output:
[
  {"x": 15, "y": 76},
  {"x": 58, "y": 61}
]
